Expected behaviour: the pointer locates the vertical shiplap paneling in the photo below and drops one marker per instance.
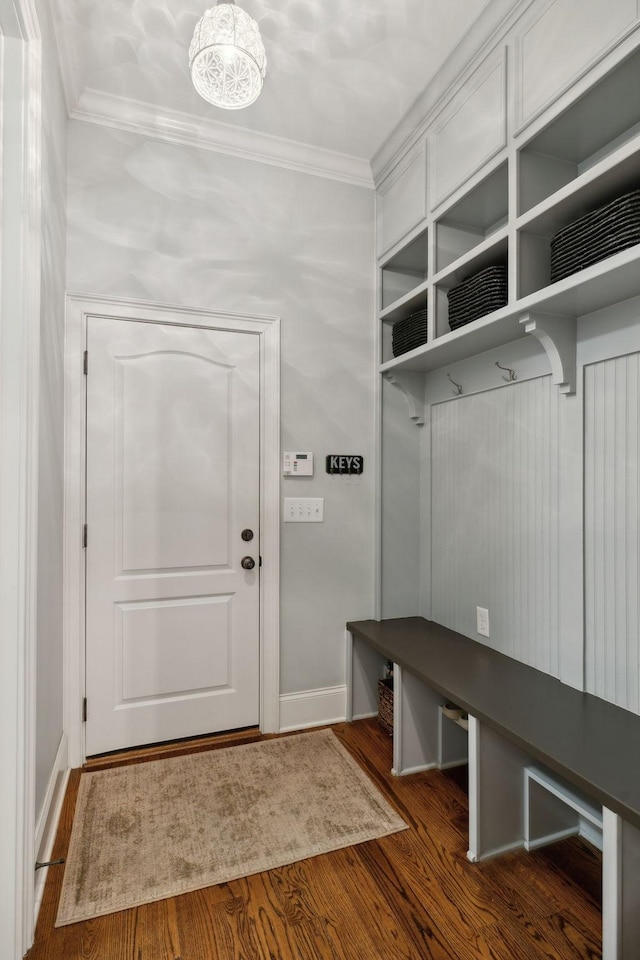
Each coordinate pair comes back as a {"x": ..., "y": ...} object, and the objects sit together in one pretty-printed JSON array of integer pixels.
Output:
[
  {"x": 495, "y": 518},
  {"x": 612, "y": 530}
]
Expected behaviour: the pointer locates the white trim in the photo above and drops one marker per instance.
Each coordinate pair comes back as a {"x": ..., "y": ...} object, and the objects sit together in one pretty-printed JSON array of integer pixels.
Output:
[
  {"x": 591, "y": 833},
  {"x": 313, "y": 708},
  {"x": 172, "y": 126},
  {"x": 530, "y": 845},
  {"x": 47, "y": 826},
  {"x": 19, "y": 383},
  {"x": 79, "y": 307}
]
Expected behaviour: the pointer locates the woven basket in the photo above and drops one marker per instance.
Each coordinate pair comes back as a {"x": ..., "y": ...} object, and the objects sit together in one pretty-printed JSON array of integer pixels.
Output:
[
  {"x": 409, "y": 333},
  {"x": 477, "y": 296},
  {"x": 385, "y": 704},
  {"x": 596, "y": 235}
]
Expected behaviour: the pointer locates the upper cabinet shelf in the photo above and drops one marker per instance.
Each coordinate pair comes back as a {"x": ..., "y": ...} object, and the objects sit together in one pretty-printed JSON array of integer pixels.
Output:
[
  {"x": 604, "y": 119},
  {"x": 474, "y": 219},
  {"x": 404, "y": 271},
  {"x": 584, "y": 157}
]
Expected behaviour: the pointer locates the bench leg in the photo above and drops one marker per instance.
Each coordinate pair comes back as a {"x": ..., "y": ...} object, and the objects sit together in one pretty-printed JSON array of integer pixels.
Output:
[
  {"x": 416, "y": 724},
  {"x": 496, "y": 793},
  {"x": 620, "y": 888},
  {"x": 365, "y": 667}
]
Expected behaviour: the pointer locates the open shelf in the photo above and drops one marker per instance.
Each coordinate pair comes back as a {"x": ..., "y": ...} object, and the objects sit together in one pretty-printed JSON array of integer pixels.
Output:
[
  {"x": 537, "y": 228},
  {"x": 601, "y": 285},
  {"x": 403, "y": 272},
  {"x": 491, "y": 255},
  {"x": 474, "y": 219},
  {"x": 600, "y": 122}
]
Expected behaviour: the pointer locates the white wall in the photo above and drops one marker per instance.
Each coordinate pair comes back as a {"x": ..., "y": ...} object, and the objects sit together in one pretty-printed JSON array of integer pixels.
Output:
[
  {"x": 49, "y": 684},
  {"x": 168, "y": 223}
]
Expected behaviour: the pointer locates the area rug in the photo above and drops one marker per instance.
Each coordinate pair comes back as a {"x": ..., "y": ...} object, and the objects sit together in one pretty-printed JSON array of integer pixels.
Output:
[{"x": 153, "y": 830}]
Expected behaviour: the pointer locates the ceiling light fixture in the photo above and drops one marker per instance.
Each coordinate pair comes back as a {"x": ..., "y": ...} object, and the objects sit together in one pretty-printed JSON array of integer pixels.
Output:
[{"x": 227, "y": 58}]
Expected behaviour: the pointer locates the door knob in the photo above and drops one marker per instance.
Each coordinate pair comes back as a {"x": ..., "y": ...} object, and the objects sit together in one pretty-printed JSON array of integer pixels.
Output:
[
  {"x": 247, "y": 534},
  {"x": 247, "y": 563}
]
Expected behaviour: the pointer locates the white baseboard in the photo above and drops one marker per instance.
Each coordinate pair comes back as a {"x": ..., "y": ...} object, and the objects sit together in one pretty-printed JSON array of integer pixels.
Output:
[
  {"x": 313, "y": 708},
  {"x": 47, "y": 825}
]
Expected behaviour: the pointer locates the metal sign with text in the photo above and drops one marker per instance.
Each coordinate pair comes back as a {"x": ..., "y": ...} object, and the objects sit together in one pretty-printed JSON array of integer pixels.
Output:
[{"x": 344, "y": 463}]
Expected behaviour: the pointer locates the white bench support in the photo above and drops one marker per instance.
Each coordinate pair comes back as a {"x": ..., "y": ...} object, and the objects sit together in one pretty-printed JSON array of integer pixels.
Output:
[
  {"x": 496, "y": 793},
  {"x": 416, "y": 724},
  {"x": 365, "y": 666},
  {"x": 620, "y": 888}
]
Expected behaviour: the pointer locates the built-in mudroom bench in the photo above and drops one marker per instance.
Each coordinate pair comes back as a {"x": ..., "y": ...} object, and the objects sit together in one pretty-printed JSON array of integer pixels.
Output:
[{"x": 545, "y": 760}]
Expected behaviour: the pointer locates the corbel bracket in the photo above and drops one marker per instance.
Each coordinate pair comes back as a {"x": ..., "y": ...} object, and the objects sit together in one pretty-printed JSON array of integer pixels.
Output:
[
  {"x": 411, "y": 386},
  {"x": 558, "y": 337}
]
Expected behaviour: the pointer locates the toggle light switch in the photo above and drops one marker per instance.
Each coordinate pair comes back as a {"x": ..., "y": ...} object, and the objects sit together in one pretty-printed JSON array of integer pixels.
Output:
[{"x": 303, "y": 509}]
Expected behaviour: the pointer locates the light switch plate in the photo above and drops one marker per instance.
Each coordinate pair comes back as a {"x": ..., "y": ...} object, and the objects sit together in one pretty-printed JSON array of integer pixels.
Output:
[{"x": 303, "y": 509}]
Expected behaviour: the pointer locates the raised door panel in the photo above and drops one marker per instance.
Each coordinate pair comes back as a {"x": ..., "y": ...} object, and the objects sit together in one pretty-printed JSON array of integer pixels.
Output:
[
  {"x": 401, "y": 200},
  {"x": 185, "y": 481},
  {"x": 471, "y": 131},
  {"x": 554, "y": 49}
]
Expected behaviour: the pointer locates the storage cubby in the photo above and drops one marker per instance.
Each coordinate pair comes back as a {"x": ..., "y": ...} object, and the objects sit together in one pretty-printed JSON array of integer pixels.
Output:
[
  {"x": 537, "y": 230},
  {"x": 473, "y": 219},
  {"x": 454, "y": 742},
  {"x": 404, "y": 271},
  {"x": 555, "y": 810},
  {"x": 596, "y": 125},
  {"x": 496, "y": 255},
  {"x": 584, "y": 159}
]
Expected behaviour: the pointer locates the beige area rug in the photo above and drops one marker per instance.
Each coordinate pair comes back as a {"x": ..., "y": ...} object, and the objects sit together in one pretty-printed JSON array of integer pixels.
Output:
[{"x": 153, "y": 830}]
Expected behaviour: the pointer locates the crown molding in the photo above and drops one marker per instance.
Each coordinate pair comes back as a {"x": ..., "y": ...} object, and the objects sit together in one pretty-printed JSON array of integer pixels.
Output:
[
  {"x": 482, "y": 36},
  {"x": 134, "y": 116}
]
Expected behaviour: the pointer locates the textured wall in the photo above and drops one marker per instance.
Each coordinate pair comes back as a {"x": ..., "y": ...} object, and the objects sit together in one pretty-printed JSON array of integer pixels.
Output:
[
  {"x": 49, "y": 682},
  {"x": 157, "y": 221}
]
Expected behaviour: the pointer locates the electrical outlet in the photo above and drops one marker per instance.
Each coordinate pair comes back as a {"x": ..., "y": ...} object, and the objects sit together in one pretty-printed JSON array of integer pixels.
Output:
[
  {"x": 303, "y": 509},
  {"x": 482, "y": 621}
]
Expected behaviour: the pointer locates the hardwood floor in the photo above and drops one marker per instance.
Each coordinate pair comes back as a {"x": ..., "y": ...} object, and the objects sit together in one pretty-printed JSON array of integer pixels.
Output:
[{"x": 410, "y": 896}]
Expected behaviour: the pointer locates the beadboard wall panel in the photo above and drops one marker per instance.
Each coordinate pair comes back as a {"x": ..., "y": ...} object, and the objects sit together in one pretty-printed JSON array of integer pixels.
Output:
[
  {"x": 495, "y": 518},
  {"x": 612, "y": 530}
]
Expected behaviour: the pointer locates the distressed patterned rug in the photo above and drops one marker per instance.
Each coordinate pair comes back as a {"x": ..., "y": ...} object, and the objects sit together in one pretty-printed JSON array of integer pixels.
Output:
[{"x": 153, "y": 830}]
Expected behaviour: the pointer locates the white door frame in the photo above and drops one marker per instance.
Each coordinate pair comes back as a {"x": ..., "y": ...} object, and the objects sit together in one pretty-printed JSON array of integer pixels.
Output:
[
  {"x": 79, "y": 308},
  {"x": 19, "y": 387}
]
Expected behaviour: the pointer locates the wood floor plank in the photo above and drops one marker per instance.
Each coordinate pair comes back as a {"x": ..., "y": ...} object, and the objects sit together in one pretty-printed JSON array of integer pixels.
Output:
[{"x": 410, "y": 896}]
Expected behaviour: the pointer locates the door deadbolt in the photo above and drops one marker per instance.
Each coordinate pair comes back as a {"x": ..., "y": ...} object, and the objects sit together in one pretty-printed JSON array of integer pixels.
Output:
[
  {"x": 247, "y": 534},
  {"x": 247, "y": 563}
]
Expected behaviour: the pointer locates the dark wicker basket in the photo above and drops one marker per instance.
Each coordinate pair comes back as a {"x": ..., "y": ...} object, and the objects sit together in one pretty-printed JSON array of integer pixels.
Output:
[
  {"x": 477, "y": 296},
  {"x": 596, "y": 235},
  {"x": 385, "y": 704},
  {"x": 409, "y": 333}
]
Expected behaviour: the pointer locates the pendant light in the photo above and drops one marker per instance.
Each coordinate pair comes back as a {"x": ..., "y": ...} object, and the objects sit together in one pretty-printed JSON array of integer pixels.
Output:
[{"x": 227, "y": 58}]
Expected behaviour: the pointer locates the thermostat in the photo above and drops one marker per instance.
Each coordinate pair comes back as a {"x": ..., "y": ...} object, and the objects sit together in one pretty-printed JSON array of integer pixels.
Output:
[{"x": 297, "y": 464}]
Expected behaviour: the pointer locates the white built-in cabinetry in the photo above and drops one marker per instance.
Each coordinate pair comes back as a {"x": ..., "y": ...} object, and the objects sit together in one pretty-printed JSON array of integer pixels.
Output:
[{"x": 471, "y": 194}]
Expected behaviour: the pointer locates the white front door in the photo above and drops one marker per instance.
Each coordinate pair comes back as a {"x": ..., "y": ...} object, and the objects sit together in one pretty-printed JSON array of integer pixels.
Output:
[{"x": 172, "y": 617}]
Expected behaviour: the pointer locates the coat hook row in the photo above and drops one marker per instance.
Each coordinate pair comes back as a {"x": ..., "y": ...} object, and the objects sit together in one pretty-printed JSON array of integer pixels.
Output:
[
  {"x": 458, "y": 388},
  {"x": 512, "y": 373}
]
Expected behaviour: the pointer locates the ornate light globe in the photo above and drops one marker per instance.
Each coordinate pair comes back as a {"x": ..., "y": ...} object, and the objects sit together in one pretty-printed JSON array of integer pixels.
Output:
[{"x": 227, "y": 58}]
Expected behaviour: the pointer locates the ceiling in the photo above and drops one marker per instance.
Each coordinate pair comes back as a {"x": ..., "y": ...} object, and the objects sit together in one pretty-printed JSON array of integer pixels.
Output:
[{"x": 340, "y": 73}]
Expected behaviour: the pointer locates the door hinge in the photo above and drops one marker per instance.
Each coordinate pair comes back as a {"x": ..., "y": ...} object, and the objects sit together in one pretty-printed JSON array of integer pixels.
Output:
[
  {"x": 84, "y": 536},
  {"x": 84, "y": 709},
  {"x": 259, "y": 561},
  {"x": 85, "y": 363}
]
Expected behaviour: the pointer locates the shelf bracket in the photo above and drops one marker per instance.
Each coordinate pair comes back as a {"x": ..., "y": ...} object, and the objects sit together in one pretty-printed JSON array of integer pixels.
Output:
[
  {"x": 411, "y": 386},
  {"x": 558, "y": 337}
]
